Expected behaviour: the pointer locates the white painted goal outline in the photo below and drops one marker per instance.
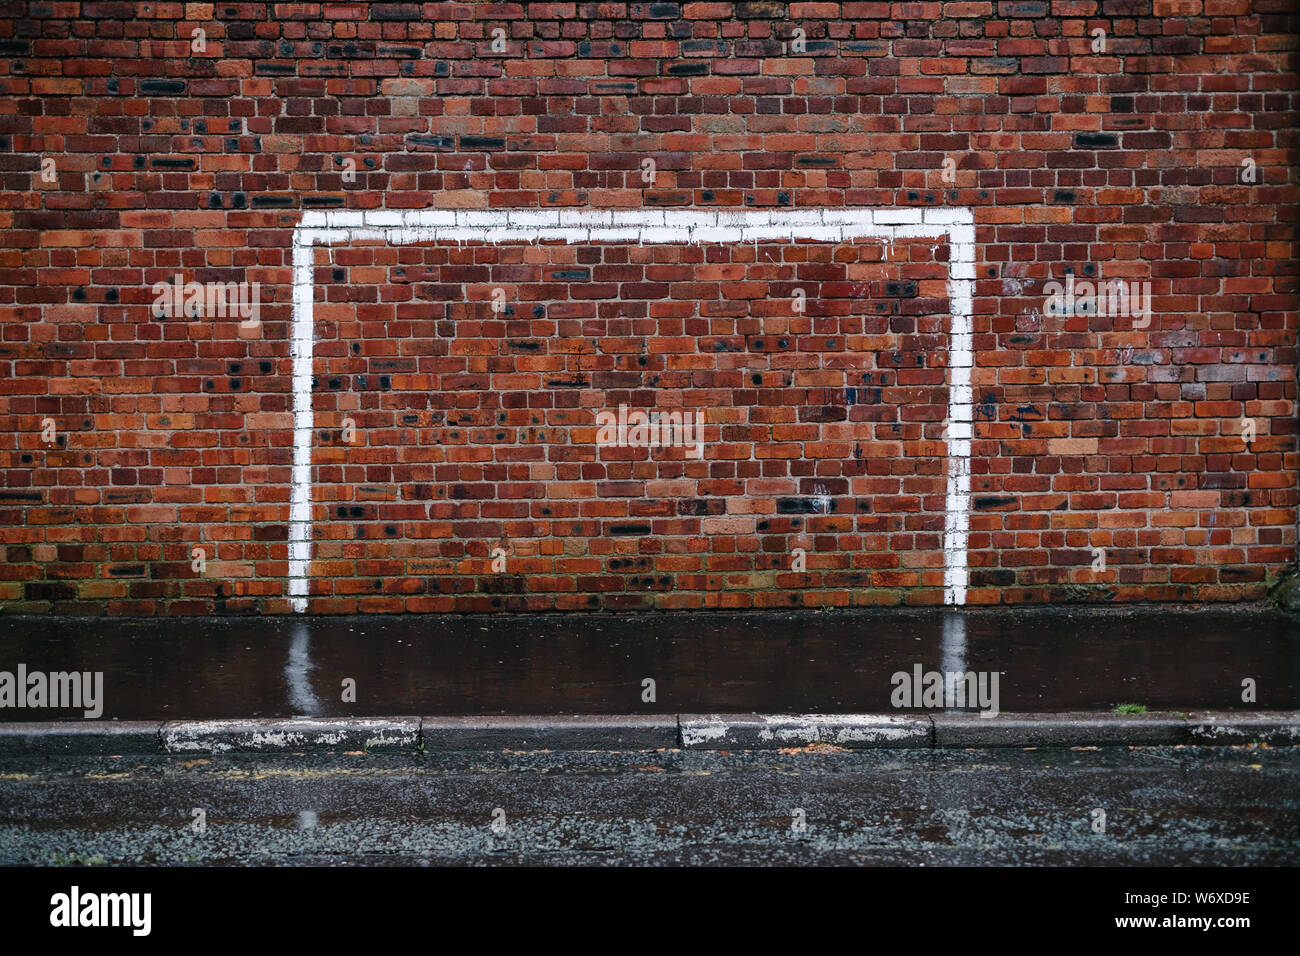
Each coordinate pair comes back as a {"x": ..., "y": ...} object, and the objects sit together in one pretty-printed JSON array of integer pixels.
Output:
[{"x": 956, "y": 226}]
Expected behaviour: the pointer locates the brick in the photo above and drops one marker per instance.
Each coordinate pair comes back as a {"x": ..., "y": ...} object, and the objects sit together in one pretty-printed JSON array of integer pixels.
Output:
[{"x": 475, "y": 427}]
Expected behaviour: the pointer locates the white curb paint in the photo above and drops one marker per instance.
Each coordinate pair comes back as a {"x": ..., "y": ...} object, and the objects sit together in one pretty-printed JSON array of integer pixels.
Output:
[
  {"x": 840, "y": 728},
  {"x": 699, "y": 732},
  {"x": 223, "y": 736},
  {"x": 956, "y": 226},
  {"x": 744, "y": 731}
]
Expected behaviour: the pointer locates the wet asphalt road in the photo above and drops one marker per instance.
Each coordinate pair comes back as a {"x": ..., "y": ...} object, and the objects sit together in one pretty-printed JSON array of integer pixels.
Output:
[{"x": 1194, "y": 806}]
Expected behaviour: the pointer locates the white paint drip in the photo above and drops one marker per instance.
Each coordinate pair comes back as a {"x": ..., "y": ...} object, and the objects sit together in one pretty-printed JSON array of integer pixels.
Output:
[
  {"x": 953, "y": 647},
  {"x": 297, "y": 671},
  {"x": 576, "y": 226}
]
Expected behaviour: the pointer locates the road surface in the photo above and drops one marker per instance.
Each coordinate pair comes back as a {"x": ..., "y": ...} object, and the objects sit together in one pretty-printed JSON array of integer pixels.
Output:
[{"x": 1162, "y": 805}]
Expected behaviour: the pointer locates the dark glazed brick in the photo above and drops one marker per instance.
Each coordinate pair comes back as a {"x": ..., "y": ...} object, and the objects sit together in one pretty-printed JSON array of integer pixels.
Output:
[
  {"x": 161, "y": 87},
  {"x": 1095, "y": 140}
]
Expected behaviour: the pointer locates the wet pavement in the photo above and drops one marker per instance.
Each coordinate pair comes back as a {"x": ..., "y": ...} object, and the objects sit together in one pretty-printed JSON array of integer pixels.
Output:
[
  {"x": 1161, "y": 805},
  {"x": 1049, "y": 659}
]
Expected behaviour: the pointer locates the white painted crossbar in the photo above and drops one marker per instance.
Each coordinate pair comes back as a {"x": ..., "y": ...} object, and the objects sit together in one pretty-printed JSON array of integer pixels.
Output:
[{"x": 955, "y": 226}]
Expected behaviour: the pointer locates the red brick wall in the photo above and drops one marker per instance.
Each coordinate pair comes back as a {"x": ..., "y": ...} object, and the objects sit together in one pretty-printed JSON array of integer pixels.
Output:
[{"x": 1166, "y": 447}]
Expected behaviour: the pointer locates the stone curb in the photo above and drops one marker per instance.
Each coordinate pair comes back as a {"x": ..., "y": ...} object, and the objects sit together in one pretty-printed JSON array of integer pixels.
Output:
[
  {"x": 288, "y": 735},
  {"x": 1233, "y": 728},
  {"x": 767, "y": 732},
  {"x": 1060, "y": 730},
  {"x": 82, "y": 738},
  {"x": 656, "y": 732},
  {"x": 550, "y": 733},
  {"x": 1102, "y": 730}
]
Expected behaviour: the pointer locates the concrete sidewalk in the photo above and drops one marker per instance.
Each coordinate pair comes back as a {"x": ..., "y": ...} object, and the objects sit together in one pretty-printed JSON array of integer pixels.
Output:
[
  {"x": 720, "y": 681},
  {"x": 1047, "y": 660}
]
